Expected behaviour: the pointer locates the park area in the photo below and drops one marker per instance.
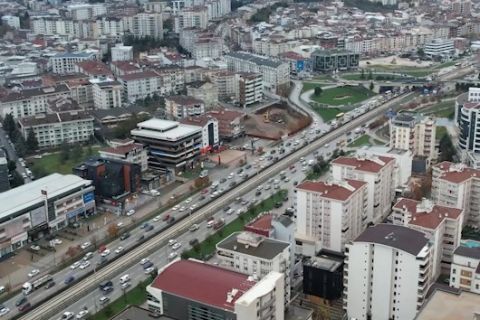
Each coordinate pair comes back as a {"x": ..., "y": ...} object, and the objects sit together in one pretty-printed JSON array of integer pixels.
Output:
[
  {"x": 339, "y": 96},
  {"x": 365, "y": 140}
]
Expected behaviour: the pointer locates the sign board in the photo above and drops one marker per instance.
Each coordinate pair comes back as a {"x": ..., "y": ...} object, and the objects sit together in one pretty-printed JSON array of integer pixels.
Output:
[
  {"x": 300, "y": 65},
  {"x": 88, "y": 197},
  {"x": 37, "y": 216}
]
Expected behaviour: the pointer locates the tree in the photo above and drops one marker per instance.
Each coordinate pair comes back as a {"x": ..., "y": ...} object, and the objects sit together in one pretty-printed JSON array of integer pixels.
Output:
[
  {"x": 9, "y": 124},
  {"x": 447, "y": 150},
  {"x": 77, "y": 151},
  {"x": 11, "y": 165},
  {"x": 370, "y": 75},
  {"x": 112, "y": 230},
  {"x": 17, "y": 180},
  {"x": 64, "y": 152},
  {"x": 371, "y": 86},
  {"x": 317, "y": 91},
  {"x": 362, "y": 75},
  {"x": 32, "y": 142},
  {"x": 20, "y": 146},
  {"x": 421, "y": 52}
]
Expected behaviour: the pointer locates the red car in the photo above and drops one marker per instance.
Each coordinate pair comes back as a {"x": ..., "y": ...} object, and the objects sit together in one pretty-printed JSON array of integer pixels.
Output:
[
  {"x": 24, "y": 307},
  {"x": 102, "y": 248},
  {"x": 166, "y": 217}
]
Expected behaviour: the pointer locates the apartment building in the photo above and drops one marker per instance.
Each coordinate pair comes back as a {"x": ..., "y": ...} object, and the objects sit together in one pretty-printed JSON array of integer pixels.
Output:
[
  {"x": 275, "y": 74},
  {"x": 11, "y": 21},
  {"x": 126, "y": 150},
  {"x": 226, "y": 83},
  {"x": 144, "y": 24},
  {"x": 29, "y": 102},
  {"x": 65, "y": 63},
  {"x": 467, "y": 111},
  {"x": 194, "y": 17},
  {"x": 387, "y": 273},
  {"x": 186, "y": 288},
  {"x": 465, "y": 270},
  {"x": 331, "y": 60},
  {"x": 413, "y": 132},
  {"x": 94, "y": 69},
  {"x": 330, "y": 214},
  {"x": 230, "y": 123},
  {"x": 139, "y": 85},
  {"x": 441, "y": 224},
  {"x": 107, "y": 94},
  {"x": 440, "y": 48},
  {"x": 172, "y": 80},
  {"x": 253, "y": 254},
  {"x": 122, "y": 53},
  {"x": 205, "y": 91},
  {"x": 201, "y": 44},
  {"x": 250, "y": 88},
  {"x": 378, "y": 173},
  {"x": 179, "y": 107},
  {"x": 456, "y": 185},
  {"x": 53, "y": 129}
]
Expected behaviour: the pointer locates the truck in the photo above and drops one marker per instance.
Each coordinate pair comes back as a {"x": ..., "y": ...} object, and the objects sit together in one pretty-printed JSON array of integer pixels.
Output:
[
  {"x": 218, "y": 224},
  {"x": 29, "y": 287}
]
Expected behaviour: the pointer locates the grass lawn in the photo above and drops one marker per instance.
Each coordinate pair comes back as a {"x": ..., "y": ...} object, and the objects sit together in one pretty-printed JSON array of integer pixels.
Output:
[
  {"x": 360, "y": 141},
  {"x": 311, "y": 85},
  {"x": 327, "y": 114},
  {"x": 357, "y": 76},
  {"x": 444, "y": 109},
  {"x": 408, "y": 70},
  {"x": 207, "y": 247},
  {"x": 440, "y": 132},
  {"x": 343, "y": 95},
  {"x": 51, "y": 163},
  {"x": 323, "y": 77}
]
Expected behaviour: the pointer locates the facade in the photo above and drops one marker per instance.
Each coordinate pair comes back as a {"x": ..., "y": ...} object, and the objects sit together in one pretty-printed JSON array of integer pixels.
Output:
[
  {"x": 179, "y": 107},
  {"x": 209, "y": 125},
  {"x": 465, "y": 271},
  {"x": 122, "y": 53},
  {"x": 252, "y": 254},
  {"x": 250, "y": 89},
  {"x": 144, "y": 24},
  {"x": 171, "y": 146},
  {"x": 53, "y": 129},
  {"x": 230, "y": 123},
  {"x": 30, "y": 211},
  {"x": 186, "y": 289},
  {"x": 323, "y": 276},
  {"x": 226, "y": 83},
  {"x": 140, "y": 85},
  {"x": 11, "y": 21},
  {"x": 334, "y": 60},
  {"x": 378, "y": 173},
  {"x": 65, "y": 63},
  {"x": 275, "y": 74},
  {"x": 467, "y": 115},
  {"x": 387, "y": 273},
  {"x": 440, "y": 48},
  {"x": 329, "y": 214},
  {"x": 205, "y": 91},
  {"x": 30, "y": 102},
  {"x": 107, "y": 94},
  {"x": 4, "y": 181},
  {"x": 194, "y": 17},
  {"x": 126, "y": 151},
  {"x": 441, "y": 224}
]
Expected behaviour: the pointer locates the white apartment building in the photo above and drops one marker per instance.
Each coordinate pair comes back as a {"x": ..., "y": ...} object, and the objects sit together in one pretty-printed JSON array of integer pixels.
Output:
[
  {"x": 250, "y": 88},
  {"x": 128, "y": 151},
  {"x": 85, "y": 11},
  {"x": 29, "y": 102},
  {"x": 53, "y": 129},
  {"x": 65, "y": 63},
  {"x": 273, "y": 47},
  {"x": 107, "y": 94},
  {"x": 122, "y": 53},
  {"x": 252, "y": 254},
  {"x": 467, "y": 113},
  {"x": 140, "y": 85},
  {"x": 226, "y": 84},
  {"x": 205, "y": 91},
  {"x": 458, "y": 186},
  {"x": 11, "y": 21},
  {"x": 195, "y": 17},
  {"x": 378, "y": 173},
  {"x": 210, "y": 132},
  {"x": 465, "y": 271},
  {"x": 179, "y": 107},
  {"x": 387, "y": 273},
  {"x": 330, "y": 214},
  {"x": 440, "y": 48},
  {"x": 145, "y": 24},
  {"x": 184, "y": 287},
  {"x": 275, "y": 74},
  {"x": 415, "y": 133},
  {"x": 441, "y": 224}
]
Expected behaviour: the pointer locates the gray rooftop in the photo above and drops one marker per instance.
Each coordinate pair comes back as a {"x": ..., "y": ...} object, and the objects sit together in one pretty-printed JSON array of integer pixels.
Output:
[
  {"x": 74, "y": 55},
  {"x": 399, "y": 237},
  {"x": 259, "y": 60},
  {"x": 468, "y": 252},
  {"x": 266, "y": 249},
  {"x": 286, "y": 221}
]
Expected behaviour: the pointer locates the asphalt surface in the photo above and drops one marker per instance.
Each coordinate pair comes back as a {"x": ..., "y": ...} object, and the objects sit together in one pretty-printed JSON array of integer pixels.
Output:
[{"x": 12, "y": 154}]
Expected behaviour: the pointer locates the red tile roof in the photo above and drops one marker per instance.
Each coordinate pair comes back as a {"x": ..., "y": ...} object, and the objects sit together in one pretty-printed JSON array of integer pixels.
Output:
[
  {"x": 201, "y": 120},
  {"x": 261, "y": 225},
  {"x": 126, "y": 66},
  {"x": 291, "y": 55},
  {"x": 364, "y": 164},
  {"x": 225, "y": 115},
  {"x": 94, "y": 68},
  {"x": 430, "y": 220},
  {"x": 201, "y": 282},
  {"x": 456, "y": 173},
  {"x": 333, "y": 191},
  {"x": 184, "y": 100},
  {"x": 122, "y": 150}
]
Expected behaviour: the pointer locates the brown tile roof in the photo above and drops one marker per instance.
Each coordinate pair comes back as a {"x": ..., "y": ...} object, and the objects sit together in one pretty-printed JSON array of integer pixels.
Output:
[
  {"x": 94, "y": 68},
  {"x": 200, "y": 120},
  {"x": 456, "y": 173},
  {"x": 261, "y": 225},
  {"x": 28, "y": 93},
  {"x": 49, "y": 118},
  {"x": 334, "y": 190},
  {"x": 126, "y": 66},
  {"x": 364, "y": 164}
]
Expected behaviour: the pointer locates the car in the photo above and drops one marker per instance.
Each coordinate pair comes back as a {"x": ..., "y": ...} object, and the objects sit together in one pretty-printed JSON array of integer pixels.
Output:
[
  {"x": 24, "y": 307},
  {"x": 210, "y": 223},
  {"x": 240, "y": 211},
  {"x": 102, "y": 261},
  {"x": 75, "y": 265},
  {"x": 182, "y": 208},
  {"x": 102, "y": 248},
  {"x": 125, "y": 285},
  {"x": 172, "y": 255},
  {"x": 143, "y": 261},
  {"x": 68, "y": 280},
  {"x": 202, "y": 197},
  {"x": 125, "y": 236},
  {"x": 194, "y": 227},
  {"x": 258, "y": 193},
  {"x": 231, "y": 175},
  {"x": 147, "y": 265},
  {"x": 4, "y": 311},
  {"x": 149, "y": 270},
  {"x": 35, "y": 247},
  {"x": 33, "y": 273},
  {"x": 188, "y": 200},
  {"x": 88, "y": 256},
  {"x": 157, "y": 218},
  {"x": 105, "y": 284},
  {"x": 166, "y": 217},
  {"x": 171, "y": 242},
  {"x": 141, "y": 238},
  {"x": 177, "y": 246},
  {"x": 119, "y": 250},
  {"x": 130, "y": 212},
  {"x": 149, "y": 228},
  {"x": 193, "y": 207},
  {"x": 232, "y": 184},
  {"x": 104, "y": 300},
  {"x": 229, "y": 211},
  {"x": 85, "y": 245},
  {"x": 248, "y": 166},
  {"x": 21, "y": 301},
  {"x": 67, "y": 315},
  {"x": 49, "y": 285},
  {"x": 57, "y": 241},
  {"x": 107, "y": 289},
  {"x": 223, "y": 180},
  {"x": 82, "y": 314},
  {"x": 120, "y": 224},
  {"x": 105, "y": 252},
  {"x": 193, "y": 242},
  {"x": 175, "y": 208},
  {"x": 85, "y": 265}
]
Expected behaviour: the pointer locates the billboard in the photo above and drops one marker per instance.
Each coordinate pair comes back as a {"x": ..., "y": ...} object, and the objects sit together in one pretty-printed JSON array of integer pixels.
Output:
[
  {"x": 88, "y": 197},
  {"x": 38, "y": 216},
  {"x": 300, "y": 65}
]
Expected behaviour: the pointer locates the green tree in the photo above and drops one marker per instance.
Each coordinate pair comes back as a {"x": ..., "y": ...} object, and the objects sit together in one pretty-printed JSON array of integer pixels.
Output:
[
  {"x": 317, "y": 91},
  {"x": 371, "y": 86},
  {"x": 17, "y": 179},
  {"x": 64, "y": 152},
  {"x": 32, "y": 142},
  {"x": 370, "y": 75},
  {"x": 20, "y": 146},
  {"x": 77, "y": 151},
  {"x": 362, "y": 75},
  {"x": 447, "y": 150},
  {"x": 9, "y": 124},
  {"x": 11, "y": 165},
  {"x": 421, "y": 52}
]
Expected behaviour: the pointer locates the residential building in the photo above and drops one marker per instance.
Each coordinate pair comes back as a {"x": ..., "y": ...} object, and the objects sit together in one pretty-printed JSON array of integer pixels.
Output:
[
  {"x": 330, "y": 214},
  {"x": 441, "y": 224},
  {"x": 32, "y": 210},
  {"x": 209, "y": 125},
  {"x": 387, "y": 273},
  {"x": 122, "y": 53},
  {"x": 201, "y": 44},
  {"x": 465, "y": 270},
  {"x": 121, "y": 68},
  {"x": 378, "y": 173},
  {"x": 275, "y": 74},
  {"x": 334, "y": 60},
  {"x": 226, "y": 84},
  {"x": 186, "y": 287},
  {"x": 65, "y": 63},
  {"x": 140, "y": 85},
  {"x": 107, "y": 94},
  {"x": 467, "y": 111},
  {"x": 29, "y": 102},
  {"x": 323, "y": 276},
  {"x": 94, "y": 69},
  {"x": 179, "y": 107},
  {"x": 11, "y": 21},
  {"x": 230, "y": 123},
  {"x": 194, "y": 17},
  {"x": 171, "y": 146},
  {"x": 205, "y": 91},
  {"x": 110, "y": 118},
  {"x": 145, "y": 24},
  {"x": 253, "y": 254},
  {"x": 4, "y": 181},
  {"x": 455, "y": 185},
  {"x": 250, "y": 89},
  {"x": 440, "y": 48},
  {"x": 54, "y": 129},
  {"x": 415, "y": 133},
  {"x": 127, "y": 151}
]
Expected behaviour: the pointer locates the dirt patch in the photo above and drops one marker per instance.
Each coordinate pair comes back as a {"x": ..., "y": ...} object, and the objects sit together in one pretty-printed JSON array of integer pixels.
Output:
[
  {"x": 342, "y": 97},
  {"x": 229, "y": 157},
  {"x": 275, "y": 121}
]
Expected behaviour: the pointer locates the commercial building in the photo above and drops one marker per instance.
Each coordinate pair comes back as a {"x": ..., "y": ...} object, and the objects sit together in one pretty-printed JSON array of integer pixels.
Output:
[
  {"x": 334, "y": 60},
  {"x": 53, "y": 129},
  {"x": 209, "y": 125},
  {"x": 179, "y": 107},
  {"x": 230, "y": 123},
  {"x": 441, "y": 224},
  {"x": 465, "y": 269},
  {"x": 250, "y": 89},
  {"x": 387, "y": 273},
  {"x": 122, "y": 53},
  {"x": 171, "y": 146},
  {"x": 455, "y": 185},
  {"x": 107, "y": 94},
  {"x": 127, "y": 151},
  {"x": 30, "y": 211},
  {"x": 4, "y": 181},
  {"x": 253, "y": 254},
  {"x": 440, "y": 48},
  {"x": 11, "y": 21},
  {"x": 65, "y": 63},
  {"x": 187, "y": 289},
  {"x": 378, "y": 173},
  {"x": 329, "y": 214},
  {"x": 140, "y": 85}
]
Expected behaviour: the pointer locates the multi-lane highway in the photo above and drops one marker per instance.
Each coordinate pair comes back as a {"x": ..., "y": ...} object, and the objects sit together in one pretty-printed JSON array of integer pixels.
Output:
[{"x": 58, "y": 303}]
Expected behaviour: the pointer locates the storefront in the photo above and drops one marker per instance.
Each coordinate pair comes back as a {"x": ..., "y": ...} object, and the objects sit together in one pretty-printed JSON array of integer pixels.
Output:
[
  {"x": 19, "y": 240},
  {"x": 38, "y": 232}
]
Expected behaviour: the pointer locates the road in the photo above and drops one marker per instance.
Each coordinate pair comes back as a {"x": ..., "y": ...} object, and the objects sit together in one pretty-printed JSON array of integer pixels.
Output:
[
  {"x": 74, "y": 293},
  {"x": 12, "y": 154}
]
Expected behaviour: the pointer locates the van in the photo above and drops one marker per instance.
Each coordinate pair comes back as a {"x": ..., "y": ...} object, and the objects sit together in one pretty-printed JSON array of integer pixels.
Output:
[{"x": 124, "y": 279}]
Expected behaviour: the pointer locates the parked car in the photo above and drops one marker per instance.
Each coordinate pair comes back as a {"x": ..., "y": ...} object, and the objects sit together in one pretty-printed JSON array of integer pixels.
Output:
[
  {"x": 49, "y": 285},
  {"x": 193, "y": 242},
  {"x": 33, "y": 273},
  {"x": 85, "y": 245},
  {"x": 69, "y": 280},
  {"x": 130, "y": 212},
  {"x": 104, "y": 300},
  {"x": 24, "y": 307}
]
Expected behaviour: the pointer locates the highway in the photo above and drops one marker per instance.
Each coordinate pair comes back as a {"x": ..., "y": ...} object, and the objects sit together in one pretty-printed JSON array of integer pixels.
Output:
[{"x": 74, "y": 293}]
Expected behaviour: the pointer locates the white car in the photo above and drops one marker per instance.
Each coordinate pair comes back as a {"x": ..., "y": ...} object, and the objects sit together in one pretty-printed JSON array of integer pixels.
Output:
[
  {"x": 119, "y": 250},
  {"x": 35, "y": 247},
  {"x": 4, "y": 311},
  {"x": 229, "y": 211},
  {"x": 175, "y": 208},
  {"x": 120, "y": 224},
  {"x": 193, "y": 227},
  {"x": 105, "y": 253},
  {"x": 171, "y": 242},
  {"x": 85, "y": 265},
  {"x": 56, "y": 241},
  {"x": 157, "y": 218},
  {"x": 144, "y": 260},
  {"x": 149, "y": 270},
  {"x": 188, "y": 200},
  {"x": 82, "y": 314},
  {"x": 75, "y": 265},
  {"x": 33, "y": 273},
  {"x": 182, "y": 208},
  {"x": 176, "y": 246},
  {"x": 231, "y": 175},
  {"x": 88, "y": 256},
  {"x": 130, "y": 213},
  {"x": 125, "y": 285},
  {"x": 172, "y": 255},
  {"x": 67, "y": 315},
  {"x": 85, "y": 245}
]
